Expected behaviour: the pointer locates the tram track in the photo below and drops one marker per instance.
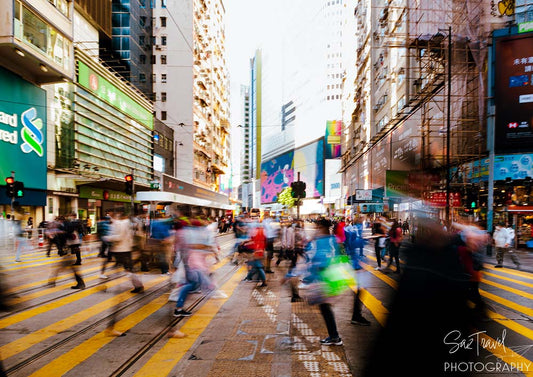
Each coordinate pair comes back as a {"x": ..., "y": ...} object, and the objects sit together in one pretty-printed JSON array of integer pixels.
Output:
[
  {"x": 148, "y": 346},
  {"x": 136, "y": 302},
  {"x": 131, "y": 303}
]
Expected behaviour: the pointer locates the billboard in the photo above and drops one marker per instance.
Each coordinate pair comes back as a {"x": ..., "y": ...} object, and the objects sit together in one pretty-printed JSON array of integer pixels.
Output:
[
  {"x": 309, "y": 162},
  {"x": 333, "y": 139},
  {"x": 276, "y": 174},
  {"x": 22, "y": 131},
  {"x": 513, "y": 92}
]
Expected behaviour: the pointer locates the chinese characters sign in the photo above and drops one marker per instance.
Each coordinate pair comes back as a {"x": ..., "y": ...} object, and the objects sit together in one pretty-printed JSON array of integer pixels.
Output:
[{"x": 514, "y": 93}]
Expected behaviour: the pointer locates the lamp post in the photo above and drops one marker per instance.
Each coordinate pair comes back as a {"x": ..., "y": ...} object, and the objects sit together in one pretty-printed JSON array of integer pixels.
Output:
[{"x": 448, "y": 126}]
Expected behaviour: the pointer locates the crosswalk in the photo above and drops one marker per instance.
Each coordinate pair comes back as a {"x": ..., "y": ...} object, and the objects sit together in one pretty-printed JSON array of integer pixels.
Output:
[{"x": 56, "y": 331}]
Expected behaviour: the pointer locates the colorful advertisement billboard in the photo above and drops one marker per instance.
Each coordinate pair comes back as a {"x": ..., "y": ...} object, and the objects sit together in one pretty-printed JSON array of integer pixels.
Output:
[
  {"x": 514, "y": 93},
  {"x": 309, "y": 162},
  {"x": 276, "y": 174},
  {"x": 22, "y": 131},
  {"x": 333, "y": 139}
]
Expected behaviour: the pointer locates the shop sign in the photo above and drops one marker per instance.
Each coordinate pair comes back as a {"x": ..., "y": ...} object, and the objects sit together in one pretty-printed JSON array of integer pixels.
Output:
[
  {"x": 525, "y": 27},
  {"x": 106, "y": 91},
  {"x": 22, "y": 131},
  {"x": 363, "y": 195},
  {"x": 397, "y": 183},
  {"x": 370, "y": 207},
  {"x": 183, "y": 188},
  {"x": 438, "y": 199},
  {"x": 87, "y": 192}
]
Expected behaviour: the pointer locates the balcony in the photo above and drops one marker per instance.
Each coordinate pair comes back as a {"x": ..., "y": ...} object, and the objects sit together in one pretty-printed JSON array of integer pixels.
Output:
[{"x": 34, "y": 48}]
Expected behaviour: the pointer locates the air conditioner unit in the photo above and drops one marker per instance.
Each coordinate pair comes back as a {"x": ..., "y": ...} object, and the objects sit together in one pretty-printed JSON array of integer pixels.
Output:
[{"x": 157, "y": 47}]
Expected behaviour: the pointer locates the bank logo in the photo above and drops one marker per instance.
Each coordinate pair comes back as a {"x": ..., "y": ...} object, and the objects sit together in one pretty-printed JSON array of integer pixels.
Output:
[
  {"x": 31, "y": 132},
  {"x": 512, "y": 125}
]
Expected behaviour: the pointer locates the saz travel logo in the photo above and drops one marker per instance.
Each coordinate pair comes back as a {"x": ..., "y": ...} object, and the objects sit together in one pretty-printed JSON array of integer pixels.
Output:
[{"x": 31, "y": 132}]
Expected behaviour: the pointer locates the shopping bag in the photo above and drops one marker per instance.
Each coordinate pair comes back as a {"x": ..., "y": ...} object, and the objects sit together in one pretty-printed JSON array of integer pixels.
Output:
[{"x": 337, "y": 277}]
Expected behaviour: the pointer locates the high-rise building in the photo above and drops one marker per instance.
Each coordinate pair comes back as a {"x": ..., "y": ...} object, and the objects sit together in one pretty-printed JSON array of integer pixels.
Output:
[
  {"x": 191, "y": 86},
  {"x": 128, "y": 49}
]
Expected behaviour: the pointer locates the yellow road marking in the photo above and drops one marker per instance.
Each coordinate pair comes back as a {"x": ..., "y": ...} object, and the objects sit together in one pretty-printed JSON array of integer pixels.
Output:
[
  {"x": 508, "y": 279},
  {"x": 509, "y": 271},
  {"x": 393, "y": 283},
  {"x": 57, "y": 288},
  {"x": 77, "y": 355},
  {"x": 504, "y": 321},
  {"x": 45, "y": 281},
  {"x": 38, "y": 336},
  {"x": 38, "y": 262},
  {"x": 19, "y": 317},
  {"x": 509, "y": 289},
  {"x": 515, "y": 326},
  {"x": 507, "y": 355},
  {"x": 508, "y": 303},
  {"x": 162, "y": 363}
]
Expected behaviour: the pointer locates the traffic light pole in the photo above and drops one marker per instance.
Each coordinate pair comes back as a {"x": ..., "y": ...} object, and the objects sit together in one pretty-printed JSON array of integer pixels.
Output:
[
  {"x": 298, "y": 203},
  {"x": 132, "y": 192},
  {"x": 13, "y": 199}
]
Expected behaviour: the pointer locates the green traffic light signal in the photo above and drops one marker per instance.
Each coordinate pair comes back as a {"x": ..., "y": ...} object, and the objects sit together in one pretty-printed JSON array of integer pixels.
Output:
[{"x": 19, "y": 189}]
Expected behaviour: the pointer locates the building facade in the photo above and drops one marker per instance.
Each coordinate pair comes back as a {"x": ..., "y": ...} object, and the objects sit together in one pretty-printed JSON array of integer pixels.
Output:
[{"x": 191, "y": 87}]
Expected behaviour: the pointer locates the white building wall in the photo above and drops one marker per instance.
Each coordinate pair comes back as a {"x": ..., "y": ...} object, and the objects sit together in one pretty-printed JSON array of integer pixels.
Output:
[{"x": 179, "y": 71}]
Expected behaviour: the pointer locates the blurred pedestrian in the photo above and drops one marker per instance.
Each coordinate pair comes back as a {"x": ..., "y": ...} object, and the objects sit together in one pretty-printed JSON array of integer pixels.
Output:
[
  {"x": 73, "y": 230},
  {"x": 121, "y": 239},
  {"x": 503, "y": 241},
  {"x": 325, "y": 248},
  {"x": 103, "y": 230},
  {"x": 270, "y": 234},
  {"x": 395, "y": 241},
  {"x": 258, "y": 242},
  {"x": 22, "y": 242}
]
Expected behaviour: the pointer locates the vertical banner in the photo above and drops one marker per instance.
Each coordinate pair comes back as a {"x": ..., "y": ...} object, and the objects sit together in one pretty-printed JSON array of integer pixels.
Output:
[{"x": 333, "y": 139}]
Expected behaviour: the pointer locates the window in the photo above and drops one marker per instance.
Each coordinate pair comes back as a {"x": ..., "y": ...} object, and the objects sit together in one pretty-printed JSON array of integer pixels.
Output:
[
  {"x": 143, "y": 3},
  {"x": 142, "y": 77},
  {"x": 163, "y": 115},
  {"x": 142, "y": 40},
  {"x": 163, "y": 96},
  {"x": 163, "y": 59},
  {"x": 154, "y": 77},
  {"x": 142, "y": 21},
  {"x": 163, "y": 77},
  {"x": 163, "y": 21},
  {"x": 142, "y": 59},
  {"x": 164, "y": 40},
  {"x": 163, "y": 3},
  {"x": 153, "y": 59}
]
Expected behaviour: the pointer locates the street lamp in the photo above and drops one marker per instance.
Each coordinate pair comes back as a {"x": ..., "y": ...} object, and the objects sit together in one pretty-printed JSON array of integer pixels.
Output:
[{"x": 448, "y": 126}]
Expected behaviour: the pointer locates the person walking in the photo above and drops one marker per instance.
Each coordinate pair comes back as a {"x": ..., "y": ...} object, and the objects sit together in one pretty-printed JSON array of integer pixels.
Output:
[
  {"x": 270, "y": 234},
  {"x": 121, "y": 239},
  {"x": 73, "y": 229},
  {"x": 326, "y": 247},
  {"x": 103, "y": 229},
  {"x": 380, "y": 243},
  {"x": 395, "y": 241},
  {"x": 503, "y": 240}
]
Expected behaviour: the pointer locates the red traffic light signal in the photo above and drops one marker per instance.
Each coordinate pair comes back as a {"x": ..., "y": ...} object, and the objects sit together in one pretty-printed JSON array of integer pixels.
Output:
[
  {"x": 10, "y": 187},
  {"x": 10, "y": 180},
  {"x": 129, "y": 184}
]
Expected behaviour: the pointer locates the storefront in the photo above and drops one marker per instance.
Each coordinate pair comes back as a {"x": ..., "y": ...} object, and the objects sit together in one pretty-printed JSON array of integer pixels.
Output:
[{"x": 23, "y": 145}]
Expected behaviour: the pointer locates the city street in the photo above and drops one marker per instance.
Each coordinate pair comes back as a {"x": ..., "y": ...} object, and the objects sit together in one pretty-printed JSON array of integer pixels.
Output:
[{"x": 54, "y": 330}]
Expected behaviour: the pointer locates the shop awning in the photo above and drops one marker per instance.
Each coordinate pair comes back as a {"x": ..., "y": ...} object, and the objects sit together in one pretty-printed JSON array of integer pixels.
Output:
[{"x": 170, "y": 197}]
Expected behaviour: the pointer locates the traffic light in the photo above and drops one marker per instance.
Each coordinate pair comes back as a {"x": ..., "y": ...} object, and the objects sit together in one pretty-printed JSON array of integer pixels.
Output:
[
  {"x": 129, "y": 184},
  {"x": 298, "y": 189},
  {"x": 10, "y": 187},
  {"x": 19, "y": 189}
]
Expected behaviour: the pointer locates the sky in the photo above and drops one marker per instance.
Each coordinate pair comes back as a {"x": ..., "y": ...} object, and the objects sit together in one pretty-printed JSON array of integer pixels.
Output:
[{"x": 248, "y": 24}]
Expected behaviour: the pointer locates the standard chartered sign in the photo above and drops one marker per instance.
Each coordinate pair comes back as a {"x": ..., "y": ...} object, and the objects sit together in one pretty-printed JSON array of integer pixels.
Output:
[{"x": 22, "y": 131}]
